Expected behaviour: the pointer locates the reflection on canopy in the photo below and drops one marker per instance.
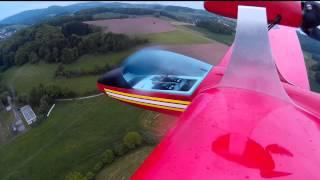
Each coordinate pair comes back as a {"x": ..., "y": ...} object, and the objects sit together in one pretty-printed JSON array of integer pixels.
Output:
[{"x": 164, "y": 71}]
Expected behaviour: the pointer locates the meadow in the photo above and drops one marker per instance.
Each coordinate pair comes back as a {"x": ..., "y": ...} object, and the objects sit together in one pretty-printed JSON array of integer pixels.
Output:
[{"x": 71, "y": 139}]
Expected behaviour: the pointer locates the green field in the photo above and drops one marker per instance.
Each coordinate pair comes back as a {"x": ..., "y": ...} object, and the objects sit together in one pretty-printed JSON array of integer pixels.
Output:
[
  {"x": 90, "y": 61},
  {"x": 72, "y": 138},
  {"x": 125, "y": 166},
  {"x": 222, "y": 38},
  {"x": 27, "y": 76},
  {"x": 179, "y": 36},
  {"x": 5, "y": 122},
  {"x": 24, "y": 78}
]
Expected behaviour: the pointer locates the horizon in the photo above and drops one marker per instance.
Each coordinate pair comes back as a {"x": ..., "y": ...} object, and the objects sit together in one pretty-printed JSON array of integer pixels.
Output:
[{"x": 9, "y": 8}]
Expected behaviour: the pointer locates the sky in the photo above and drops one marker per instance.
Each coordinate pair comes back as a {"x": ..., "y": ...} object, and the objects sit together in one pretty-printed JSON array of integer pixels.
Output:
[{"x": 8, "y": 8}]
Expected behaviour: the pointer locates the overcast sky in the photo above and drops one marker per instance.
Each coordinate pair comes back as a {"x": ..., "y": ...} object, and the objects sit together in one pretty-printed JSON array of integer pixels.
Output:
[{"x": 8, "y": 8}]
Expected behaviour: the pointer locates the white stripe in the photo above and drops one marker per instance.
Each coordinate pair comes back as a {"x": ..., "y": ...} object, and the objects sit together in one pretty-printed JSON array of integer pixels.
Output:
[{"x": 149, "y": 101}]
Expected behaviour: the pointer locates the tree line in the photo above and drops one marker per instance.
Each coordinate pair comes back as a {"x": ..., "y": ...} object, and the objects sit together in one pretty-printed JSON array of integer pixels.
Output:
[
  {"x": 61, "y": 72},
  {"x": 215, "y": 26},
  {"x": 130, "y": 142},
  {"x": 60, "y": 43}
]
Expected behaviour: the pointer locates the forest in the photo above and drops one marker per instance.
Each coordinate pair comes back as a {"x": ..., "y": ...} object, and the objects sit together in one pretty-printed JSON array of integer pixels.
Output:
[{"x": 62, "y": 40}]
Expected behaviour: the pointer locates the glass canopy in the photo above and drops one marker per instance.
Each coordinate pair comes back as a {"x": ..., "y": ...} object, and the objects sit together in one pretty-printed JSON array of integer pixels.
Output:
[{"x": 164, "y": 71}]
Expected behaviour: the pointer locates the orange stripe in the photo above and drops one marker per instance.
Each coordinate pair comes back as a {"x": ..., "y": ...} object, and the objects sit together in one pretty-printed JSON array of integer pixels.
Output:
[
  {"x": 150, "y": 98},
  {"x": 146, "y": 104}
]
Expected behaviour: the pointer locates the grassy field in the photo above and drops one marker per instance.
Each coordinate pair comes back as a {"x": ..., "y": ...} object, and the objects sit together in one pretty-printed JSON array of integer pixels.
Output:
[
  {"x": 27, "y": 76},
  {"x": 23, "y": 78},
  {"x": 72, "y": 138},
  {"x": 179, "y": 36},
  {"x": 5, "y": 122},
  {"x": 90, "y": 61},
  {"x": 125, "y": 166},
  {"x": 225, "y": 39}
]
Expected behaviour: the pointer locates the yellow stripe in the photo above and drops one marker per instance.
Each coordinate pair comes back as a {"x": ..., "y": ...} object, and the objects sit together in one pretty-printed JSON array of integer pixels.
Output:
[
  {"x": 145, "y": 104},
  {"x": 148, "y": 97}
]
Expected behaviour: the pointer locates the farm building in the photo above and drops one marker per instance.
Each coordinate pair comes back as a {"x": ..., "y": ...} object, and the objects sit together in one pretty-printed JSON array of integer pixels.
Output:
[{"x": 28, "y": 114}]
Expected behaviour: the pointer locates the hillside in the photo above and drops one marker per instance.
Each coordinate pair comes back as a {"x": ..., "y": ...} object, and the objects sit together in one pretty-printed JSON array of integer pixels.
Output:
[{"x": 35, "y": 16}]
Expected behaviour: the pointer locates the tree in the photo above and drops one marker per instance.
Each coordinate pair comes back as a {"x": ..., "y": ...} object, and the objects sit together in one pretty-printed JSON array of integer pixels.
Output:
[
  {"x": 108, "y": 156},
  {"x": 55, "y": 54},
  {"x": 215, "y": 26},
  {"x": 132, "y": 139},
  {"x": 59, "y": 71},
  {"x": 75, "y": 53},
  {"x": 150, "y": 138},
  {"x": 67, "y": 56},
  {"x": 74, "y": 40},
  {"x": 120, "y": 149},
  {"x": 75, "y": 27},
  {"x": 33, "y": 57},
  {"x": 43, "y": 51},
  {"x": 36, "y": 94},
  {"x": 75, "y": 176},
  {"x": 97, "y": 167},
  {"x": 3, "y": 98},
  {"x": 23, "y": 98},
  {"x": 44, "y": 104},
  {"x": 90, "y": 175},
  {"x": 21, "y": 56}
]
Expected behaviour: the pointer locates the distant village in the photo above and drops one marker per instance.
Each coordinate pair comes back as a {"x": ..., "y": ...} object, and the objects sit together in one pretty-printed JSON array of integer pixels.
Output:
[{"x": 6, "y": 32}]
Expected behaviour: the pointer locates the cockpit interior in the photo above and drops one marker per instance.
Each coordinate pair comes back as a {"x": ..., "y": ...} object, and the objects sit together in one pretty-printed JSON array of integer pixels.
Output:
[{"x": 159, "y": 71}]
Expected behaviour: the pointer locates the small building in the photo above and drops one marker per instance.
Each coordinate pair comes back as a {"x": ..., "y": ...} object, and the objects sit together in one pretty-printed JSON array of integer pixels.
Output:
[
  {"x": 28, "y": 114},
  {"x": 8, "y": 108}
]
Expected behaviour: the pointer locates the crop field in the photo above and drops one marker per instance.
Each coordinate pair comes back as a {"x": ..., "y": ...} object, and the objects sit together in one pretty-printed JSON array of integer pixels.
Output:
[
  {"x": 179, "y": 36},
  {"x": 142, "y": 25},
  {"x": 199, "y": 51}
]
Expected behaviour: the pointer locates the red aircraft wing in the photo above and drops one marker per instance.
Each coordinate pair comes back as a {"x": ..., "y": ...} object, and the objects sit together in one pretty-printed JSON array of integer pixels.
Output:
[
  {"x": 290, "y": 12},
  {"x": 231, "y": 133},
  {"x": 244, "y": 123}
]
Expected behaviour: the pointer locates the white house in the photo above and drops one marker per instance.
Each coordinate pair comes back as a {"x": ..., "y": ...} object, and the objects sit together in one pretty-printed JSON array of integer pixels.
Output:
[{"x": 28, "y": 114}]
